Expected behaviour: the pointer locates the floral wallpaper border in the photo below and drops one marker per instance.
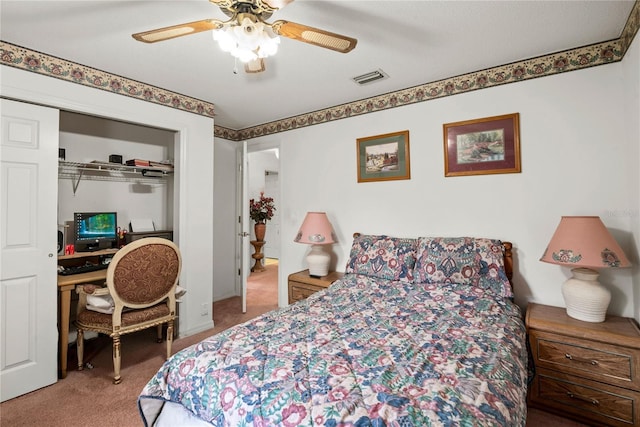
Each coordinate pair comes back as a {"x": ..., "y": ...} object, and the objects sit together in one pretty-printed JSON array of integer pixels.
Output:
[
  {"x": 631, "y": 27},
  {"x": 41, "y": 63},
  {"x": 571, "y": 60},
  {"x": 546, "y": 65}
]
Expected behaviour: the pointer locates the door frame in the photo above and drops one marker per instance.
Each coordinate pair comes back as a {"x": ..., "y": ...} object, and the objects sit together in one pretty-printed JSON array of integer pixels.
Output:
[{"x": 243, "y": 251}]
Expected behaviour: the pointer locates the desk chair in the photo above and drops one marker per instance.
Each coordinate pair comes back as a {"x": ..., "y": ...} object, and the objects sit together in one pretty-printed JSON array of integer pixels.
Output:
[{"x": 141, "y": 279}]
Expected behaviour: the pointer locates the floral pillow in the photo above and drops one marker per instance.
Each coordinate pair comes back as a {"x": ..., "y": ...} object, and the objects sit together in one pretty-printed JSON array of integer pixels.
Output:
[
  {"x": 383, "y": 256},
  {"x": 477, "y": 262}
]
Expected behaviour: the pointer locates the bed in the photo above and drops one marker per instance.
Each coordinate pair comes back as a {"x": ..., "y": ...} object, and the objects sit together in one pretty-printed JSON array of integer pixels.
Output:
[{"x": 419, "y": 332}]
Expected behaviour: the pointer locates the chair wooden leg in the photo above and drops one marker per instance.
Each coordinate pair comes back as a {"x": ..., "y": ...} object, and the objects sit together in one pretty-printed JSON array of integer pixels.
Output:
[
  {"x": 116, "y": 360},
  {"x": 159, "y": 331},
  {"x": 169, "y": 338},
  {"x": 80, "y": 349}
]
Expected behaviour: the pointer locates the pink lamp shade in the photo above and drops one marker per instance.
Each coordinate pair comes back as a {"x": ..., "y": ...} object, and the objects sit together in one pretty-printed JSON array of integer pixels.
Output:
[
  {"x": 584, "y": 241},
  {"x": 315, "y": 230}
]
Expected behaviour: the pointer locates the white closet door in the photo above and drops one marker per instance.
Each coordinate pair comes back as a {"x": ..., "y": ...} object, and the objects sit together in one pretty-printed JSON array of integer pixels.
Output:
[{"x": 28, "y": 248}]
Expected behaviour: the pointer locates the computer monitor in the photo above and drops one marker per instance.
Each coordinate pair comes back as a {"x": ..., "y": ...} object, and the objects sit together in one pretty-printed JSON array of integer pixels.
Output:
[{"x": 95, "y": 230}]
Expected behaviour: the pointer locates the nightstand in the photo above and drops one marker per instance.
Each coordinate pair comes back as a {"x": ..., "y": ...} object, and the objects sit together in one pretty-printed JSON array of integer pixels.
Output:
[
  {"x": 301, "y": 284},
  {"x": 586, "y": 371}
]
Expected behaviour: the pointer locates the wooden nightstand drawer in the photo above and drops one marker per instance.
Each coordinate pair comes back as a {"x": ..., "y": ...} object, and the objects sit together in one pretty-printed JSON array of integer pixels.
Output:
[
  {"x": 597, "y": 361},
  {"x": 583, "y": 370},
  {"x": 299, "y": 291},
  {"x": 301, "y": 284},
  {"x": 595, "y": 401}
]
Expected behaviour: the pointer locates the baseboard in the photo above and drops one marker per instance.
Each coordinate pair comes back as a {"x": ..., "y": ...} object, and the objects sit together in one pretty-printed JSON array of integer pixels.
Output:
[
  {"x": 200, "y": 328},
  {"x": 218, "y": 298}
]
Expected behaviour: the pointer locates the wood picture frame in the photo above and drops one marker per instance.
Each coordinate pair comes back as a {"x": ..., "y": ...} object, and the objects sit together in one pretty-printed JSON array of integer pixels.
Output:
[
  {"x": 490, "y": 145},
  {"x": 384, "y": 157}
]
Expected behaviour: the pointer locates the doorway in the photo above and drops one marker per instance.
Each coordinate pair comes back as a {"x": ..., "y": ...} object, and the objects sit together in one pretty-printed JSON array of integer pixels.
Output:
[{"x": 262, "y": 284}]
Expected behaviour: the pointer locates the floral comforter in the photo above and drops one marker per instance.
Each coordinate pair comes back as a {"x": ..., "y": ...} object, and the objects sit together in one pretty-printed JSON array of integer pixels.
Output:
[{"x": 365, "y": 352}]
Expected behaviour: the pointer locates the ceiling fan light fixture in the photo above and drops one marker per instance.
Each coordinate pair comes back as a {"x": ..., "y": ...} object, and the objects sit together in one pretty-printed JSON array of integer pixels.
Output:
[
  {"x": 247, "y": 41},
  {"x": 247, "y": 35},
  {"x": 269, "y": 45}
]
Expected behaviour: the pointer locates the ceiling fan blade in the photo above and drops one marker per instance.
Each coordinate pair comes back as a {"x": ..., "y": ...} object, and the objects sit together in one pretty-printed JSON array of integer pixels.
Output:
[
  {"x": 255, "y": 66},
  {"x": 166, "y": 33},
  {"x": 314, "y": 36}
]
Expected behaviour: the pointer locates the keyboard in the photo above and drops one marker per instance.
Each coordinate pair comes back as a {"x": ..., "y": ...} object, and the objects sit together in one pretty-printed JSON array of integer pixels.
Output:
[{"x": 67, "y": 271}]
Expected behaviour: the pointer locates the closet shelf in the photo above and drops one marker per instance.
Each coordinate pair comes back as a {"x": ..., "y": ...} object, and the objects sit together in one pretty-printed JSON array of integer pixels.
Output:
[{"x": 98, "y": 171}]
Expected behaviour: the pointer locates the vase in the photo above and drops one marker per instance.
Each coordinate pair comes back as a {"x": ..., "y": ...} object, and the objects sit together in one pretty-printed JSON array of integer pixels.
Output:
[{"x": 260, "y": 229}]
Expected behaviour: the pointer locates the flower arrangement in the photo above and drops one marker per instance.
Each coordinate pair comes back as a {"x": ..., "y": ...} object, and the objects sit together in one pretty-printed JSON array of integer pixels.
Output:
[{"x": 261, "y": 210}]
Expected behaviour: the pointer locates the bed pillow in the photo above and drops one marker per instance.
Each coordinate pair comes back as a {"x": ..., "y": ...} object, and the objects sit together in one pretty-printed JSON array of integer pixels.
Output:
[
  {"x": 466, "y": 260},
  {"x": 385, "y": 257}
]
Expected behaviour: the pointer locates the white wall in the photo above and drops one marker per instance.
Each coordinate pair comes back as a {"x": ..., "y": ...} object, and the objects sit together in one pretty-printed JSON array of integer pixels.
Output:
[
  {"x": 631, "y": 77},
  {"x": 259, "y": 163},
  {"x": 575, "y": 146},
  {"x": 85, "y": 139},
  {"x": 194, "y": 154}
]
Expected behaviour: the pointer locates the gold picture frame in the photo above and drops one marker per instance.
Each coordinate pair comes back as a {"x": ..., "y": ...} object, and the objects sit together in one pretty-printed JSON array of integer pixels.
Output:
[
  {"x": 384, "y": 157},
  {"x": 490, "y": 145}
]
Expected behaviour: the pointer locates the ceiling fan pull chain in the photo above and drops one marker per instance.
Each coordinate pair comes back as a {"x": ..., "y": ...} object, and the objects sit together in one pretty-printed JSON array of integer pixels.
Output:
[{"x": 235, "y": 65}]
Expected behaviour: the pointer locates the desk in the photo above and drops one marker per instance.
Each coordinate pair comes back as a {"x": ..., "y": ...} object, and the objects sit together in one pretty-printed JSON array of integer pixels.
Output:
[{"x": 66, "y": 284}]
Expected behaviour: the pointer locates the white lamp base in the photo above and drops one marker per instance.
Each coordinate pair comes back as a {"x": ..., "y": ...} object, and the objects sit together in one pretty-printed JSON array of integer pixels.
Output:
[
  {"x": 318, "y": 261},
  {"x": 586, "y": 299}
]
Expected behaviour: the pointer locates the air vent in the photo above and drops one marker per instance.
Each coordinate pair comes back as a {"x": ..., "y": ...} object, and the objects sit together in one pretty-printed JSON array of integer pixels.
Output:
[{"x": 370, "y": 77}]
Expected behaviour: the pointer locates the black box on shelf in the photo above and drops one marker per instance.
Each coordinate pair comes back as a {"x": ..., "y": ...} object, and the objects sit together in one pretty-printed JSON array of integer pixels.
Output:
[
  {"x": 132, "y": 236},
  {"x": 115, "y": 158}
]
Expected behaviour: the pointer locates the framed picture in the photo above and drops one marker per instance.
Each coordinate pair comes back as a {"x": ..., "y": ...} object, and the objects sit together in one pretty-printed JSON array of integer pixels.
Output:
[
  {"x": 482, "y": 146},
  {"x": 384, "y": 157}
]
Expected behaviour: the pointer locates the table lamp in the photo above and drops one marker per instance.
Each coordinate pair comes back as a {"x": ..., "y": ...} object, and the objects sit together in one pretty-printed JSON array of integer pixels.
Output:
[
  {"x": 316, "y": 230},
  {"x": 585, "y": 243}
]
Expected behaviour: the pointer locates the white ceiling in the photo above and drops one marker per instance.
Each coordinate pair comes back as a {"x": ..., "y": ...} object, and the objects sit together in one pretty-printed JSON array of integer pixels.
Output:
[{"x": 414, "y": 42}]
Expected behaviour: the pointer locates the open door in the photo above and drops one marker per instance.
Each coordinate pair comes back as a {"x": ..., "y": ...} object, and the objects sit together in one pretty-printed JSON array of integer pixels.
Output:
[{"x": 245, "y": 235}]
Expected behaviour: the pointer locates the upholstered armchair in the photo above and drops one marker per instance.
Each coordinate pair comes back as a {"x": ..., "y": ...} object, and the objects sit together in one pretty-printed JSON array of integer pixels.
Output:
[{"x": 141, "y": 281}]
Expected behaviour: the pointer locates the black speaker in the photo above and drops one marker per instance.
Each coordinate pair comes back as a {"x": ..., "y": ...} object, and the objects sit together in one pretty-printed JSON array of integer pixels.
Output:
[{"x": 60, "y": 241}]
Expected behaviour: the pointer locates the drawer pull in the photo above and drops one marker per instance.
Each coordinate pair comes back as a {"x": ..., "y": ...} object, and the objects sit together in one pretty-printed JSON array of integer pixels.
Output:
[
  {"x": 591, "y": 362},
  {"x": 584, "y": 399}
]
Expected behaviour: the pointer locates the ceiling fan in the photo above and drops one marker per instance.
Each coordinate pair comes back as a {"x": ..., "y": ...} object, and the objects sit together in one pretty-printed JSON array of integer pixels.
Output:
[{"x": 247, "y": 36}]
